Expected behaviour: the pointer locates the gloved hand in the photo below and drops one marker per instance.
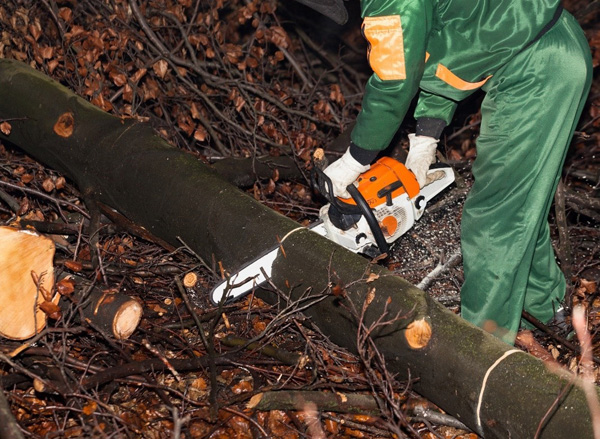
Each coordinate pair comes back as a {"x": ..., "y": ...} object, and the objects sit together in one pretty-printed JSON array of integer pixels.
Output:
[
  {"x": 344, "y": 171},
  {"x": 421, "y": 155}
]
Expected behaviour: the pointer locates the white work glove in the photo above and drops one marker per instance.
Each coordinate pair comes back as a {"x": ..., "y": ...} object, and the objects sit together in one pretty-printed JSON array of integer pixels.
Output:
[
  {"x": 421, "y": 155},
  {"x": 344, "y": 171}
]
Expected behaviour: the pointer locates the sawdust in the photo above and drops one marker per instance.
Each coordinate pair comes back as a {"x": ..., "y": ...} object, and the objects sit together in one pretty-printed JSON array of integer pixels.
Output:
[{"x": 431, "y": 242}]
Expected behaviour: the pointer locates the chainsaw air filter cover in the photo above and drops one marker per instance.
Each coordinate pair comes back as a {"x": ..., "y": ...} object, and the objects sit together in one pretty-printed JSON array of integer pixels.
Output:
[{"x": 387, "y": 187}]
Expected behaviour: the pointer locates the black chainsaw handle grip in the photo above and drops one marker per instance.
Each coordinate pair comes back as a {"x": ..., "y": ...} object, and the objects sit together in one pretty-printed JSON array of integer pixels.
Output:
[{"x": 365, "y": 209}]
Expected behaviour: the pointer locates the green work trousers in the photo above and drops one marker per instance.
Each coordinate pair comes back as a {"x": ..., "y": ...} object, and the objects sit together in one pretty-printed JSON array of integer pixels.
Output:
[{"x": 528, "y": 116}]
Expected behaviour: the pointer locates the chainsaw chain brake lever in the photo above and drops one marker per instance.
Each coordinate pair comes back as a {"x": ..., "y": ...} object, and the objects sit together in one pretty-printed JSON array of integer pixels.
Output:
[{"x": 323, "y": 184}]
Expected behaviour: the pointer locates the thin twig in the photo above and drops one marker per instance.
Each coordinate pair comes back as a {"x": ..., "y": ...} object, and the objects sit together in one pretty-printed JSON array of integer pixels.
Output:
[
  {"x": 587, "y": 367},
  {"x": 55, "y": 200},
  {"x": 440, "y": 269}
]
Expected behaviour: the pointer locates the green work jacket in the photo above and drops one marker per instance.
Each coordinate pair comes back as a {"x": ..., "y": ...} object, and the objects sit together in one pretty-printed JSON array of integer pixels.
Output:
[{"x": 446, "y": 49}]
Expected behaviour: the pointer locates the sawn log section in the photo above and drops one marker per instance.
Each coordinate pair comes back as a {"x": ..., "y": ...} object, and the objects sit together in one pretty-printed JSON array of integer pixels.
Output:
[{"x": 495, "y": 390}]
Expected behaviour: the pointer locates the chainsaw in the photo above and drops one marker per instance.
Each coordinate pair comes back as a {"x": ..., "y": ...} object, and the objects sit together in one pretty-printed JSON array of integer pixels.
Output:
[{"x": 384, "y": 204}]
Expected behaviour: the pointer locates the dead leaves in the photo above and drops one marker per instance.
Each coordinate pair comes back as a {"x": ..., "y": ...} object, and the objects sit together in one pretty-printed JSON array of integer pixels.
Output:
[
  {"x": 52, "y": 310},
  {"x": 222, "y": 47},
  {"x": 278, "y": 36},
  {"x": 161, "y": 68},
  {"x": 65, "y": 287}
]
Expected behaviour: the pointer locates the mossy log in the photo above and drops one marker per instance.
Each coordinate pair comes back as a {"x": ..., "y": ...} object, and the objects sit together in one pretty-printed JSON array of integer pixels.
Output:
[{"x": 494, "y": 389}]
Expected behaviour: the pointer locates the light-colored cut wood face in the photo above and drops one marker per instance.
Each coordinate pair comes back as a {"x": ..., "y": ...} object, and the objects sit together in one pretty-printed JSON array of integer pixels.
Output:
[{"x": 22, "y": 253}]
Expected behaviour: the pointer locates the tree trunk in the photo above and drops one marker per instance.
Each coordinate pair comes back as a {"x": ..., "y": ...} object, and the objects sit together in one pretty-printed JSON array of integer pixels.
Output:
[{"x": 495, "y": 390}]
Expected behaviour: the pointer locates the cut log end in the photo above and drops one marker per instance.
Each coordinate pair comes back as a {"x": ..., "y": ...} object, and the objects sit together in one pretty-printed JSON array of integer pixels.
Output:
[
  {"x": 39, "y": 385},
  {"x": 114, "y": 313},
  {"x": 26, "y": 282},
  {"x": 190, "y": 280},
  {"x": 127, "y": 319},
  {"x": 64, "y": 125},
  {"x": 418, "y": 333},
  {"x": 319, "y": 158},
  {"x": 254, "y": 401}
]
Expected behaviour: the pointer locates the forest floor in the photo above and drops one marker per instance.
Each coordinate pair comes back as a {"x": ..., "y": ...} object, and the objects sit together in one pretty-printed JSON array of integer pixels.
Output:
[{"x": 240, "y": 79}]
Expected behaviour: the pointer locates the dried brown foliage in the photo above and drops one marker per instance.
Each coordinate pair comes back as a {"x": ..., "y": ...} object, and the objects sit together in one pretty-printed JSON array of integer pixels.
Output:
[
  {"x": 220, "y": 79},
  {"x": 214, "y": 76}
]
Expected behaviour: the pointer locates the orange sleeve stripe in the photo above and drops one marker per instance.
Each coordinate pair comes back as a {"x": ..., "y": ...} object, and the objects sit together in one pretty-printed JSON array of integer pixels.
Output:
[
  {"x": 386, "y": 46},
  {"x": 450, "y": 78}
]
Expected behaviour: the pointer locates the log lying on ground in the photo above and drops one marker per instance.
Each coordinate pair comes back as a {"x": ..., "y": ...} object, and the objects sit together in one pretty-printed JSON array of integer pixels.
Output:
[
  {"x": 492, "y": 388},
  {"x": 117, "y": 315},
  {"x": 243, "y": 172},
  {"x": 324, "y": 401}
]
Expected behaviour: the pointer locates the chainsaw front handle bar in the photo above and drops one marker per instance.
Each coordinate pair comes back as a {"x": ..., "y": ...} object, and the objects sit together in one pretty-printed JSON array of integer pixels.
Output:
[
  {"x": 324, "y": 185},
  {"x": 365, "y": 209}
]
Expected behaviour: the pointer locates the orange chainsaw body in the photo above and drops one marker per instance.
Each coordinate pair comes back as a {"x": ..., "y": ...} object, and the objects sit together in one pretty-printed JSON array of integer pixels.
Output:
[{"x": 386, "y": 178}]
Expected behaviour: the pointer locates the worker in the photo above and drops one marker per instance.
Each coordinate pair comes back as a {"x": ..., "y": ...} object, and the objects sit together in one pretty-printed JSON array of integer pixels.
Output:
[{"x": 533, "y": 62}]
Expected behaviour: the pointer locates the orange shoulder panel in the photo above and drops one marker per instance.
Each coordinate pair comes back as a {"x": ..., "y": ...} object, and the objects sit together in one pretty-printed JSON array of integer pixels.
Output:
[{"x": 386, "y": 46}]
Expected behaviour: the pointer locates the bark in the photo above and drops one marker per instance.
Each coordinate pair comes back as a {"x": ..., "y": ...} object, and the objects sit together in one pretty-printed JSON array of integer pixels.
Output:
[
  {"x": 244, "y": 172},
  {"x": 9, "y": 429},
  {"x": 113, "y": 313},
  {"x": 324, "y": 401},
  {"x": 495, "y": 390}
]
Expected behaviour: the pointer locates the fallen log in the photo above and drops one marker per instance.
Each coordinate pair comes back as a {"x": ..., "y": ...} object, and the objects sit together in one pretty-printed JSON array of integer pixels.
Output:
[
  {"x": 243, "y": 172},
  {"x": 494, "y": 389},
  {"x": 324, "y": 401},
  {"x": 356, "y": 403}
]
